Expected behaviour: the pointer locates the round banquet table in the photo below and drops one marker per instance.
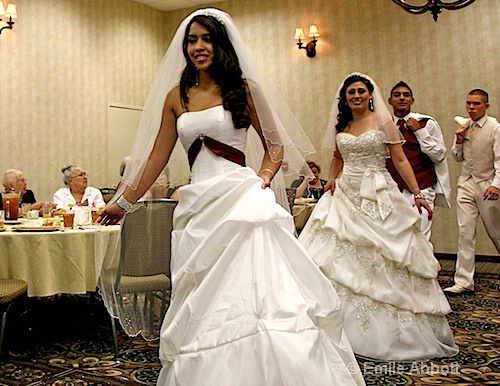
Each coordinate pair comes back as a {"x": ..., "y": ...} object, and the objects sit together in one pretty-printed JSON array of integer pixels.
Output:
[
  {"x": 301, "y": 214},
  {"x": 56, "y": 262}
]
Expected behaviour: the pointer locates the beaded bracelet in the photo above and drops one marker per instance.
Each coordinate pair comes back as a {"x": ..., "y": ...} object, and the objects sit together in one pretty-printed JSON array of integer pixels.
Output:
[
  {"x": 419, "y": 195},
  {"x": 124, "y": 204}
]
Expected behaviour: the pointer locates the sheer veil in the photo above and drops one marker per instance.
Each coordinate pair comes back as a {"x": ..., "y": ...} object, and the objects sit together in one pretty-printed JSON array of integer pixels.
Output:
[
  {"x": 279, "y": 125},
  {"x": 384, "y": 118},
  {"x": 280, "y": 129}
]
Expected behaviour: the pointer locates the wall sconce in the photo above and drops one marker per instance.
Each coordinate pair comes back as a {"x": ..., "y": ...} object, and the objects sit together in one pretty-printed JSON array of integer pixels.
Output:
[
  {"x": 311, "y": 46},
  {"x": 9, "y": 15}
]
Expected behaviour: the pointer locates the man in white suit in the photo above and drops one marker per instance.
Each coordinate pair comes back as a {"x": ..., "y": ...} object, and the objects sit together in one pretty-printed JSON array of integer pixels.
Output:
[
  {"x": 477, "y": 145},
  {"x": 425, "y": 150}
]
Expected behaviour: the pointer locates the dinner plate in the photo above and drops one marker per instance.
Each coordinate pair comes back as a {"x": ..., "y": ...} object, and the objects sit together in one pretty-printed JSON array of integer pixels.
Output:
[
  {"x": 12, "y": 222},
  {"x": 35, "y": 229}
]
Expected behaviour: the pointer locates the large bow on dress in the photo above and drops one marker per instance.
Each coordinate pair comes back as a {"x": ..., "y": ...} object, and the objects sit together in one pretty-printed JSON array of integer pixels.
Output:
[{"x": 373, "y": 193}]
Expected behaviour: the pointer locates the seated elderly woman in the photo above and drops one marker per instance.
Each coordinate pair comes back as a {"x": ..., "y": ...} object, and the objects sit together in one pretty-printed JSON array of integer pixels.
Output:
[
  {"x": 14, "y": 179},
  {"x": 308, "y": 187},
  {"x": 77, "y": 191}
]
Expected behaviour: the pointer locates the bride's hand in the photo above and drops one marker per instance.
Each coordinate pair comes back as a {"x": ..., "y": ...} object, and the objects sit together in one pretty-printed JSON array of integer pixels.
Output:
[
  {"x": 266, "y": 181},
  {"x": 111, "y": 215},
  {"x": 421, "y": 202},
  {"x": 330, "y": 186}
]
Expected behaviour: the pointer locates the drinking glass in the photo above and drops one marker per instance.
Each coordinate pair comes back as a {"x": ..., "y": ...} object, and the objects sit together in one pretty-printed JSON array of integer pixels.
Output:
[{"x": 25, "y": 208}]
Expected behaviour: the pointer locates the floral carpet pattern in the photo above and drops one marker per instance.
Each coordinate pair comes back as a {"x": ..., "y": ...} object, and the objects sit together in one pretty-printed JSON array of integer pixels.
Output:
[{"x": 71, "y": 344}]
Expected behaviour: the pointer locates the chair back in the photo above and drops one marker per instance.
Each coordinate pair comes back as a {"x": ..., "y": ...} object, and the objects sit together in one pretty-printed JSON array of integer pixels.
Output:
[
  {"x": 290, "y": 193},
  {"x": 107, "y": 193},
  {"x": 145, "y": 239}
]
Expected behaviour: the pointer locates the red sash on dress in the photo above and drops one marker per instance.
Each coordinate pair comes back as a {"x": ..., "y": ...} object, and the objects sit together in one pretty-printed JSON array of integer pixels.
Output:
[{"x": 221, "y": 149}]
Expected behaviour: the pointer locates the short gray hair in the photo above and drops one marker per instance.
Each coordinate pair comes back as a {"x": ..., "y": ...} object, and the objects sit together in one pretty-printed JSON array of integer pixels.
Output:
[
  {"x": 10, "y": 177},
  {"x": 67, "y": 172}
]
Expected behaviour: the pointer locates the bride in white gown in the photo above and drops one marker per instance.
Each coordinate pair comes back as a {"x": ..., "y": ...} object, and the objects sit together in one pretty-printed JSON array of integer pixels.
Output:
[
  {"x": 366, "y": 238},
  {"x": 249, "y": 306}
]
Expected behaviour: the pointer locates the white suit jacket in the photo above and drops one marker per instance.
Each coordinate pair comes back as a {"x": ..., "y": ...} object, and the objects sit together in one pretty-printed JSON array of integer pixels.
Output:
[{"x": 431, "y": 141}]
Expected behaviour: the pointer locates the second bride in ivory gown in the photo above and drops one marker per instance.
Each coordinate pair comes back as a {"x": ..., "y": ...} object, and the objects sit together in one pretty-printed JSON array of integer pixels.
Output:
[
  {"x": 366, "y": 237},
  {"x": 249, "y": 306}
]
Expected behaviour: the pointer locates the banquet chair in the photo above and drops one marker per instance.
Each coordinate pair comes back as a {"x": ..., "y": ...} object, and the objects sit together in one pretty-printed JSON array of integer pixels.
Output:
[
  {"x": 107, "y": 193},
  {"x": 143, "y": 280},
  {"x": 10, "y": 291},
  {"x": 290, "y": 193}
]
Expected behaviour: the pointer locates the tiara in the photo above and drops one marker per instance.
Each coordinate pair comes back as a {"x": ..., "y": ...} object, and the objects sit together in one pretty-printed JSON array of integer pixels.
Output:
[{"x": 208, "y": 12}]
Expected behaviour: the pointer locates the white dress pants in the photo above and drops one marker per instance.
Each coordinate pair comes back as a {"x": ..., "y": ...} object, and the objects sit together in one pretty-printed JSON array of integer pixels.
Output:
[{"x": 470, "y": 205}]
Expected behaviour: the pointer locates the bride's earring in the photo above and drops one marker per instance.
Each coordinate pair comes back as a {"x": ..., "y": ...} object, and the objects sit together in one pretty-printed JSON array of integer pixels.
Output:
[
  {"x": 197, "y": 77},
  {"x": 370, "y": 105}
]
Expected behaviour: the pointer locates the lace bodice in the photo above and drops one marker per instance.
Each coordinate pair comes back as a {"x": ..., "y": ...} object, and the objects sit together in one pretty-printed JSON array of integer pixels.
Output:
[
  {"x": 367, "y": 149},
  {"x": 365, "y": 177}
]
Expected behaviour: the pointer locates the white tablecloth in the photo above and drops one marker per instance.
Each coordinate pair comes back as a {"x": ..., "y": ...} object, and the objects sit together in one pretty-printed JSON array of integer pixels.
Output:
[{"x": 56, "y": 262}]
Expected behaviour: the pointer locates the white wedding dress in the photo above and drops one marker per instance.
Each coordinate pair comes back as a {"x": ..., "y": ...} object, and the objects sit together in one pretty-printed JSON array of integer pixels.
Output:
[
  {"x": 249, "y": 306},
  {"x": 366, "y": 239}
]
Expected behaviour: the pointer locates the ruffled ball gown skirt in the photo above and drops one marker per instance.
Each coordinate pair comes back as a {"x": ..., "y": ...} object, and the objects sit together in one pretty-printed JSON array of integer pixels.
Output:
[
  {"x": 366, "y": 239},
  {"x": 249, "y": 306}
]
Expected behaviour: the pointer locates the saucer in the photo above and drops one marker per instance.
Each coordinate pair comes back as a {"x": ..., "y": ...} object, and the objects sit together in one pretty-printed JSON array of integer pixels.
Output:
[{"x": 12, "y": 222}]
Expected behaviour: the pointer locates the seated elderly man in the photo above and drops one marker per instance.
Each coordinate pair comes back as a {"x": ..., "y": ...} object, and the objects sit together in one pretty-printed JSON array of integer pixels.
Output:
[{"x": 14, "y": 179}]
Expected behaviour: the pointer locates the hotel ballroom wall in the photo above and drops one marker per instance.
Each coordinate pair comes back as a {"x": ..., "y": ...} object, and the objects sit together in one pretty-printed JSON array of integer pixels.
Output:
[{"x": 66, "y": 60}]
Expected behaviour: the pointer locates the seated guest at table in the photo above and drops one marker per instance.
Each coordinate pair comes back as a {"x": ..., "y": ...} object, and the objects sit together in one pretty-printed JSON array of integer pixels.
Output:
[
  {"x": 77, "y": 191},
  {"x": 308, "y": 187},
  {"x": 14, "y": 179}
]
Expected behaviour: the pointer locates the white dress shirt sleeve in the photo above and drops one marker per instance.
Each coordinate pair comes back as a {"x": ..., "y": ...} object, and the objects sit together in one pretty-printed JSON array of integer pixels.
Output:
[
  {"x": 496, "y": 154},
  {"x": 431, "y": 141}
]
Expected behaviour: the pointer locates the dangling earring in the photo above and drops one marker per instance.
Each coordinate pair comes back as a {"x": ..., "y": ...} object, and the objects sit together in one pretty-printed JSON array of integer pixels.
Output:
[
  {"x": 197, "y": 77},
  {"x": 370, "y": 105}
]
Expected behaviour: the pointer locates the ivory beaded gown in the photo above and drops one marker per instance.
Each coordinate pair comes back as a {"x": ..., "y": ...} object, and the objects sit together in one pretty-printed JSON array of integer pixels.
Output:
[
  {"x": 249, "y": 306},
  {"x": 366, "y": 239}
]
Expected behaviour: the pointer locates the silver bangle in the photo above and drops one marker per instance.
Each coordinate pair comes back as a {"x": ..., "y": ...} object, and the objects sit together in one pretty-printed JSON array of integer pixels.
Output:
[
  {"x": 124, "y": 204},
  {"x": 419, "y": 195}
]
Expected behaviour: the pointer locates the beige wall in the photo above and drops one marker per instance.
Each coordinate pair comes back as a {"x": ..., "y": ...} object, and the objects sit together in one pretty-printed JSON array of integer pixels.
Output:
[{"x": 58, "y": 77}]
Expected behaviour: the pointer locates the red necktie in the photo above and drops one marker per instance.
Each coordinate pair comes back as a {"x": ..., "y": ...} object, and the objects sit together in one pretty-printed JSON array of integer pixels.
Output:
[{"x": 401, "y": 125}]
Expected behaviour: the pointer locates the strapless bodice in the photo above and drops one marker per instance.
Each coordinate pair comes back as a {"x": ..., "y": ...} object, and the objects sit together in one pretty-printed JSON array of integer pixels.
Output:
[{"x": 214, "y": 122}]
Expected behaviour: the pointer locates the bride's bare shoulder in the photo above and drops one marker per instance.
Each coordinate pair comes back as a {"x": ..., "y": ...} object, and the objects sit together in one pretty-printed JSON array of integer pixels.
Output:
[{"x": 173, "y": 101}]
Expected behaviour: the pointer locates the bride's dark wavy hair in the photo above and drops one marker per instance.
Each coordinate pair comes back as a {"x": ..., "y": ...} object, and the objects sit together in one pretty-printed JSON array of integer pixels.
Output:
[
  {"x": 345, "y": 113},
  {"x": 225, "y": 70}
]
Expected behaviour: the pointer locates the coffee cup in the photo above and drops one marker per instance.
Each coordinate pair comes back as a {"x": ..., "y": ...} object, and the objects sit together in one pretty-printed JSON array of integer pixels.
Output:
[{"x": 33, "y": 214}]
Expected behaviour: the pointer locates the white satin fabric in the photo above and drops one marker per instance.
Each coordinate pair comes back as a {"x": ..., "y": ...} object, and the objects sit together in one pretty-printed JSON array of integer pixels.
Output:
[
  {"x": 249, "y": 307},
  {"x": 366, "y": 239}
]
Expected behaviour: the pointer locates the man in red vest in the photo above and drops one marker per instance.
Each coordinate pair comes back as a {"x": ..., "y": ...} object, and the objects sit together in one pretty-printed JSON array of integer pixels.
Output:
[{"x": 425, "y": 150}]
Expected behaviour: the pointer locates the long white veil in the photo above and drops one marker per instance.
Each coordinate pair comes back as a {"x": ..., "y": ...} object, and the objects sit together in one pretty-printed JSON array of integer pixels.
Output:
[
  {"x": 280, "y": 129},
  {"x": 384, "y": 118}
]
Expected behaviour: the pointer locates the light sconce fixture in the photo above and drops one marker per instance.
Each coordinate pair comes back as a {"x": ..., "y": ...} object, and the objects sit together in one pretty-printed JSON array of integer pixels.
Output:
[
  {"x": 433, "y": 6},
  {"x": 9, "y": 14},
  {"x": 310, "y": 47}
]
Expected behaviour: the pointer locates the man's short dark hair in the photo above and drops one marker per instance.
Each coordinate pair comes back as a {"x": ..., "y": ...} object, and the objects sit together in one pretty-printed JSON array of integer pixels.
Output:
[
  {"x": 402, "y": 84},
  {"x": 478, "y": 91}
]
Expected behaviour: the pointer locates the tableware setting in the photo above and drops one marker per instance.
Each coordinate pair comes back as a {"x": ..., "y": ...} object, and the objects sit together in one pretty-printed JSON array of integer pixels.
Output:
[{"x": 305, "y": 200}]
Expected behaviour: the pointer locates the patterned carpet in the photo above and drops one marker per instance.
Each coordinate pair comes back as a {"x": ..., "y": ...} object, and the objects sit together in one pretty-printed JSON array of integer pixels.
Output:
[{"x": 67, "y": 348}]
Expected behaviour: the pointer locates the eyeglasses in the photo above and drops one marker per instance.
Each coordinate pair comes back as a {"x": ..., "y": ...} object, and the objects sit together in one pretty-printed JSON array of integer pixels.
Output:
[
  {"x": 22, "y": 180},
  {"x": 82, "y": 174}
]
